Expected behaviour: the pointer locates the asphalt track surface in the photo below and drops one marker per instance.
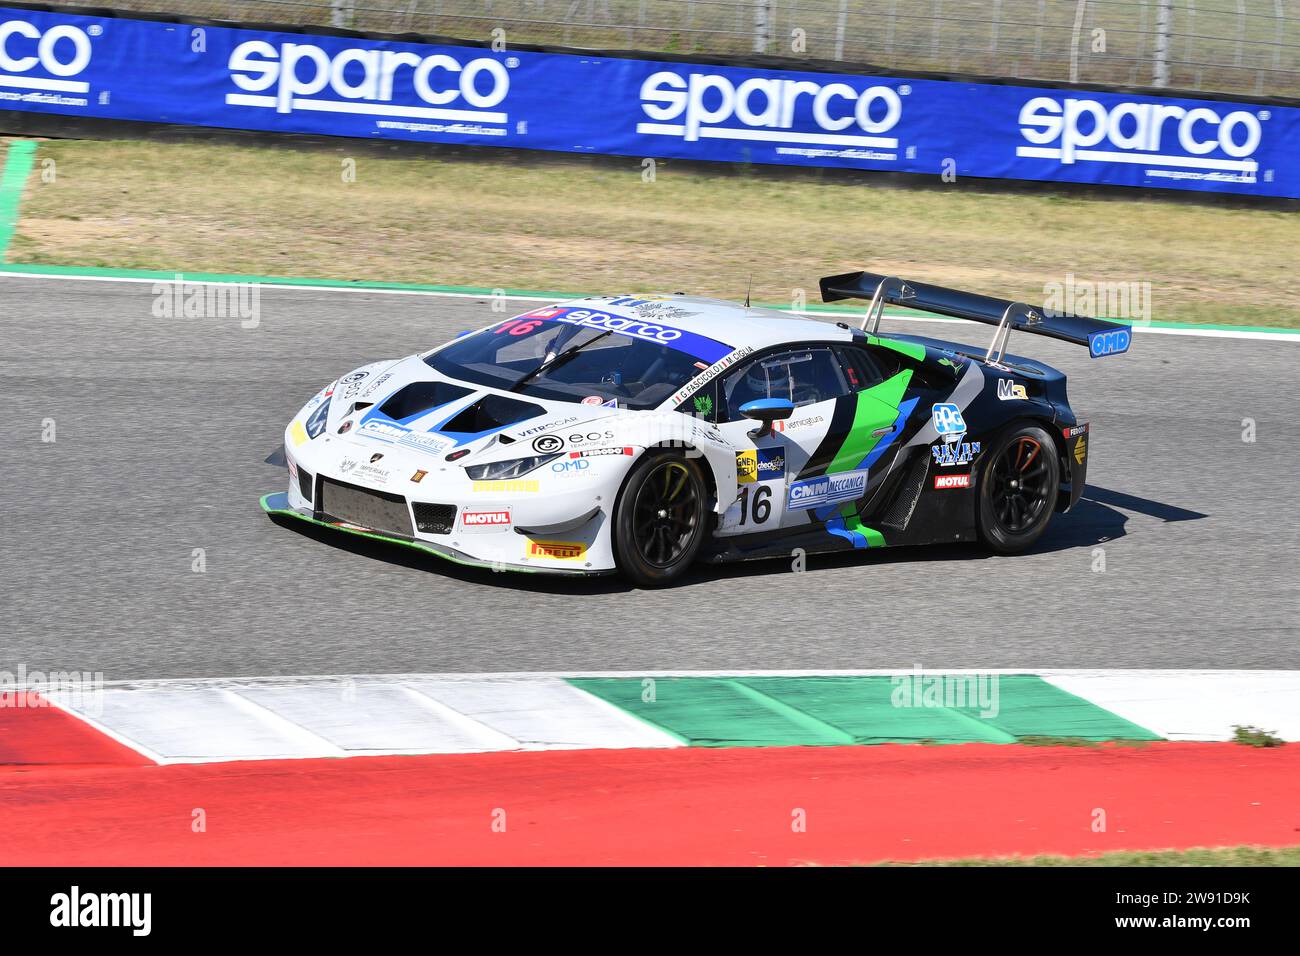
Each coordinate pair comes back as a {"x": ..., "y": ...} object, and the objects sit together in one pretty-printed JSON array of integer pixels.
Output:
[{"x": 163, "y": 427}]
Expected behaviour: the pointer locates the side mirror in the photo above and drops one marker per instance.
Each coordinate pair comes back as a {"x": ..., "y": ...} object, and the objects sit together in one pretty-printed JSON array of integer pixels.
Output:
[{"x": 767, "y": 411}]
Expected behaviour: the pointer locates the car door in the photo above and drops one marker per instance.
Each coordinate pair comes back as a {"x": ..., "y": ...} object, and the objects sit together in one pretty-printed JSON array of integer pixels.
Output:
[
  {"x": 813, "y": 379},
  {"x": 816, "y": 464}
]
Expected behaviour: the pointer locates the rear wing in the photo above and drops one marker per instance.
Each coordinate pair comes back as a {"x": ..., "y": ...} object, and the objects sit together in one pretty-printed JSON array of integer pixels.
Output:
[{"x": 1101, "y": 337}]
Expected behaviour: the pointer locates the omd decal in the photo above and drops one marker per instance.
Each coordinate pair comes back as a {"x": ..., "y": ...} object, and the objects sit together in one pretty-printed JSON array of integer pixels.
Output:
[{"x": 319, "y": 84}]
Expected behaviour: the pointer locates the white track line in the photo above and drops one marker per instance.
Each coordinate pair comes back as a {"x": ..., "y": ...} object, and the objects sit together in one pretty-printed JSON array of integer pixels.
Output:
[
  {"x": 1248, "y": 334},
  {"x": 651, "y": 672}
]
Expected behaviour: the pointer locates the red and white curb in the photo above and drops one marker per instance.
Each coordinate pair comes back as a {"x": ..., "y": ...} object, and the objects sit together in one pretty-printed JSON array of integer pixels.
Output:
[
  {"x": 281, "y": 718},
  {"x": 203, "y": 721}
]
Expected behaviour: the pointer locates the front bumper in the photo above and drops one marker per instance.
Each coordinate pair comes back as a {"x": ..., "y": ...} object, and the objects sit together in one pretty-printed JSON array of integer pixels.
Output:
[{"x": 278, "y": 504}]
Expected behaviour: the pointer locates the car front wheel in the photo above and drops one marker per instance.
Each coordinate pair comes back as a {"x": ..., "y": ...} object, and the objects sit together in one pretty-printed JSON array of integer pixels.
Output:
[{"x": 660, "y": 518}]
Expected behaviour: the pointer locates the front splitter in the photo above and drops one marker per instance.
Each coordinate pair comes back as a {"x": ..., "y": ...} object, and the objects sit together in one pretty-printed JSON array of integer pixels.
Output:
[{"x": 278, "y": 504}]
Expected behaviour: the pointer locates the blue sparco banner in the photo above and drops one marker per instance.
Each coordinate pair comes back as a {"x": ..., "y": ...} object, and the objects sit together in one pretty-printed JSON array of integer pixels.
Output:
[{"x": 231, "y": 78}]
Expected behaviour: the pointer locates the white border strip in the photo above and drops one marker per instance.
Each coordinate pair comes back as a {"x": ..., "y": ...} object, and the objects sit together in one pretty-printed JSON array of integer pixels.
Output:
[{"x": 1248, "y": 334}]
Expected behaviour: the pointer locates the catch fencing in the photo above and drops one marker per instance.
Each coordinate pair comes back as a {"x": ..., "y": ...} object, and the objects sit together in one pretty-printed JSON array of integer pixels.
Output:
[{"x": 1214, "y": 46}]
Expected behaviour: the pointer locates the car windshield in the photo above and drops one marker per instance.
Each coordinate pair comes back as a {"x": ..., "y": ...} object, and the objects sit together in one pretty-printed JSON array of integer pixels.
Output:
[{"x": 574, "y": 355}]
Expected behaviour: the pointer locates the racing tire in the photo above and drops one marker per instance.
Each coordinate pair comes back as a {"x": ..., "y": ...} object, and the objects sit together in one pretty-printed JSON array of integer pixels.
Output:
[
  {"x": 1018, "y": 484},
  {"x": 660, "y": 518}
]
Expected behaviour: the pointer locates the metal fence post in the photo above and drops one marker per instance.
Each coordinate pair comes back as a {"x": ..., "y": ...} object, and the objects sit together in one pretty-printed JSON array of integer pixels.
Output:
[
  {"x": 341, "y": 13},
  {"x": 1074, "y": 40},
  {"x": 840, "y": 25},
  {"x": 1164, "y": 20},
  {"x": 762, "y": 24}
]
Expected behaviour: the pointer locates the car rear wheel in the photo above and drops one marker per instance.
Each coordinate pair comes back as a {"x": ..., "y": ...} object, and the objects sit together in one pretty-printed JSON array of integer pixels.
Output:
[
  {"x": 1017, "y": 489},
  {"x": 660, "y": 519}
]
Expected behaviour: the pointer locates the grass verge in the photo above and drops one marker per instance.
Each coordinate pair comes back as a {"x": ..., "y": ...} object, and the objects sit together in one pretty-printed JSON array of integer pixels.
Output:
[{"x": 597, "y": 227}]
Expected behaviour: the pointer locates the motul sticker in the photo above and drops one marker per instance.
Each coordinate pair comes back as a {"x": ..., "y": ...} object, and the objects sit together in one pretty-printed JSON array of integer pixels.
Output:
[
  {"x": 485, "y": 520},
  {"x": 951, "y": 481}
]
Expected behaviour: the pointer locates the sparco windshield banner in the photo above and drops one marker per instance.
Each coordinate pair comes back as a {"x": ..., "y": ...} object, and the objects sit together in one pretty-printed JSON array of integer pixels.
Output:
[{"x": 300, "y": 83}]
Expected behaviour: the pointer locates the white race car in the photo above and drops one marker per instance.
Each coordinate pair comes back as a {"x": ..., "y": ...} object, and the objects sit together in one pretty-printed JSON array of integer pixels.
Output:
[{"x": 638, "y": 434}]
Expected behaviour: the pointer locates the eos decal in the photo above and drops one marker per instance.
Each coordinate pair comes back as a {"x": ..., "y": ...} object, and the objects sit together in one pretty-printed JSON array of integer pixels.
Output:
[
  {"x": 581, "y": 438},
  {"x": 289, "y": 77},
  {"x": 1067, "y": 130},
  {"x": 707, "y": 105}
]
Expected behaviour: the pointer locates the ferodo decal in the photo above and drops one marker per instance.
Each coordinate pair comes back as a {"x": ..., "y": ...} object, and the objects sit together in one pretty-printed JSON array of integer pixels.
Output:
[
  {"x": 557, "y": 550},
  {"x": 600, "y": 452}
]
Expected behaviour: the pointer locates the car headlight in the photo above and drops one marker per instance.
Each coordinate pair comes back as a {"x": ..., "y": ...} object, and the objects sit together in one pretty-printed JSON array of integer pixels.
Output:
[
  {"x": 508, "y": 469},
  {"x": 316, "y": 421}
]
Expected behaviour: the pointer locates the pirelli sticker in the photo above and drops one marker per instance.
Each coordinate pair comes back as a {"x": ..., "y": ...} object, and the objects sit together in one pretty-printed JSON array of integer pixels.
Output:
[{"x": 557, "y": 550}]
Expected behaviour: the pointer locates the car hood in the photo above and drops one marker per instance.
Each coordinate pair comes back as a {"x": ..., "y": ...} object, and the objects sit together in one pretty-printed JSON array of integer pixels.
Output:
[{"x": 409, "y": 405}]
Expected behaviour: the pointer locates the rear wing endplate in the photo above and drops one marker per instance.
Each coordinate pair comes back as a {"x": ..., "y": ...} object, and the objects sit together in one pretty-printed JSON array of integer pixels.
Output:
[{"x": 1101, "y": 337}]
